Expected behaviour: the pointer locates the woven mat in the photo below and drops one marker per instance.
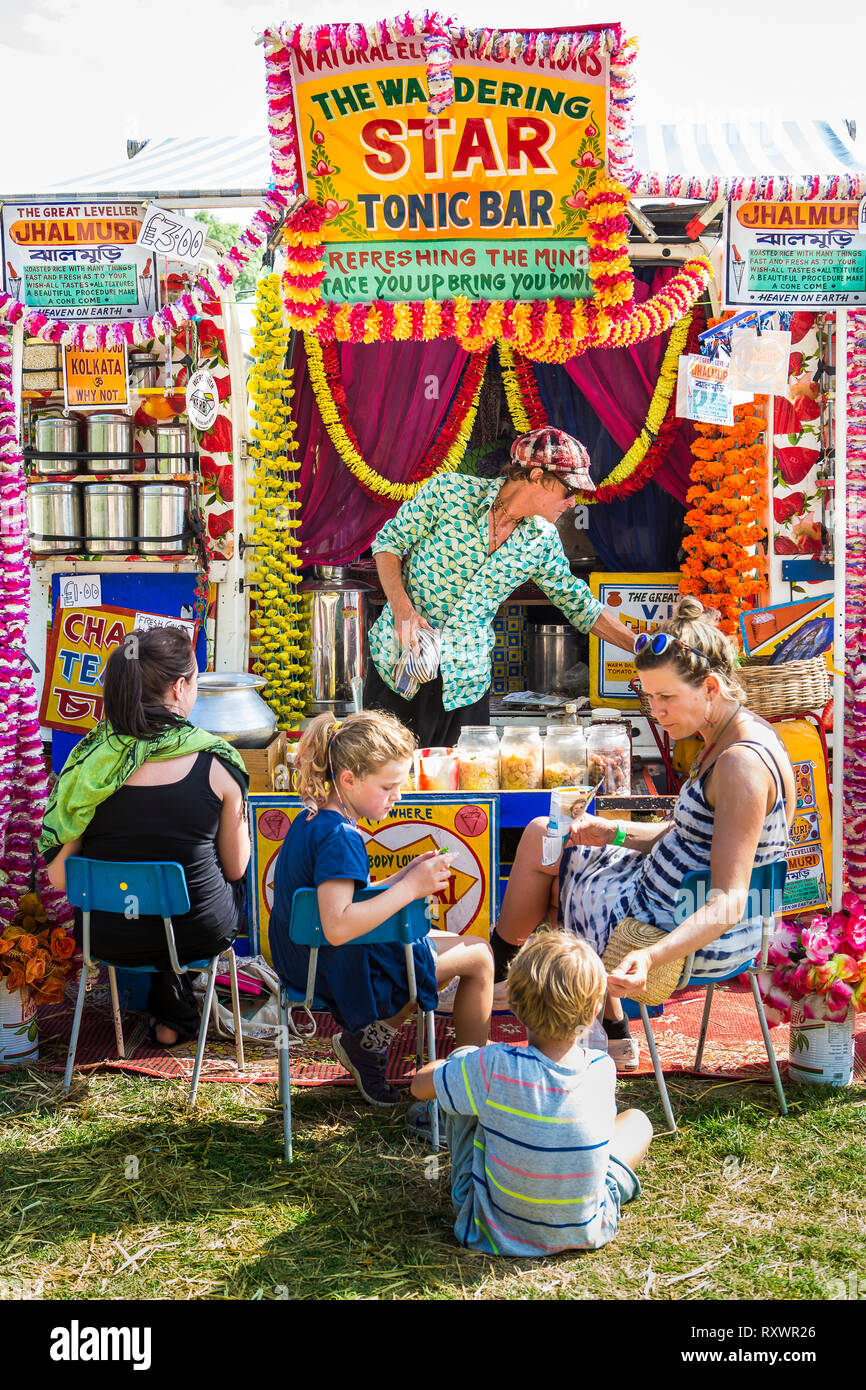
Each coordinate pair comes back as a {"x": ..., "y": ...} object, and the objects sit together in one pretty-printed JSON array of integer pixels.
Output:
[{"x": 734, "y": 1048}]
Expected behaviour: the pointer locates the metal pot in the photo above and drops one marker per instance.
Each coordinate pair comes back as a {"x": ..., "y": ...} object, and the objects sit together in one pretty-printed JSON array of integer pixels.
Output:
[
  {"x": 172, "y": 439},
  {"x": 551, "y": 650},
  {"x": 54, "y": 509},
  {"x": 109, "y": 518},
  {"x": 143, "y": 369},
  {"x": 162, "y": 511},
  {"x": 228, "y": 704},
  {"x": 110, "y": 434},
  {"x": 338, "y": 623},
  {"x": 57, "y": 434}
]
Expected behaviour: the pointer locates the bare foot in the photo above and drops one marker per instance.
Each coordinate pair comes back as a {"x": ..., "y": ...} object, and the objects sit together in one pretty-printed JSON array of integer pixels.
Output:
[{"x": 166, "y": 1037}]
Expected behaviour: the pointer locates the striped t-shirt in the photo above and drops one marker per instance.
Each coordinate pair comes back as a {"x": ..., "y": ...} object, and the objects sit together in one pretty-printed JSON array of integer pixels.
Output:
[{"x": 542, "y": 1148}]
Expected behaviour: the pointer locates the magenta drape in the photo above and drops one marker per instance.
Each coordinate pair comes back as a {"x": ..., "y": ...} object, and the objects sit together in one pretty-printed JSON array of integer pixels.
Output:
[
  {"x": 618, "y": 384},
  {"x": 397, "y": 397}
]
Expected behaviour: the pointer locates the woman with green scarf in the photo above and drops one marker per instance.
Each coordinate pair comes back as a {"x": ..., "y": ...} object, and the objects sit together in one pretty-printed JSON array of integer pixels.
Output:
[{"x": 145, "y": 784}]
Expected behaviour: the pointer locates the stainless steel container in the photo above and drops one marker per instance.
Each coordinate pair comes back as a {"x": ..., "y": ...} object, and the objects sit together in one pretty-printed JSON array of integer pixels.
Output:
[
  {"x": 143, "y": 369},
  {"x": 172, "y": 439},
  {"x": 54, "y": 509},
  {"x": 162, "y": 509},
  {"x": 551, "y": 649},
  {"x": 228, "y": 704},
  {"x": 109, "y": 518},
  {"x": 57, "y": 434},
  {"x": 338, "y": 623},
  {"x": 110, "y": 434}
]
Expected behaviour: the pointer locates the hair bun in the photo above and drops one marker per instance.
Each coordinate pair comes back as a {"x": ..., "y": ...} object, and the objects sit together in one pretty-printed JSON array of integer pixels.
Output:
[{"x": 689, "y": 609}]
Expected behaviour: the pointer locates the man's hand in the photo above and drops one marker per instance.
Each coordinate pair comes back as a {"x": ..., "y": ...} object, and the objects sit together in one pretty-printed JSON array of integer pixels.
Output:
[
  {"x": 406, "y": 624},
  {"x": 610, "y": 629}
]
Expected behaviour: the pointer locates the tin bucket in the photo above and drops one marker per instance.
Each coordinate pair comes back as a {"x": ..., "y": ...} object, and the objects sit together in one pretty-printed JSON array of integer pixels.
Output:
[
  {"x": 822, "y": 1053},
  {"x": 54, "y": 510},
  {"x": 19, "y": 1034}
]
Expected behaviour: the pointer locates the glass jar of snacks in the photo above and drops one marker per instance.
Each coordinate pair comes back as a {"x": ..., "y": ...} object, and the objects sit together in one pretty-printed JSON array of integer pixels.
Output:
[
  {"x": 520, "y": 759},
  {"x": 564, "y": 756},
  {"x": 608, "y": 756},
  {"x": 478, "y": 759}
]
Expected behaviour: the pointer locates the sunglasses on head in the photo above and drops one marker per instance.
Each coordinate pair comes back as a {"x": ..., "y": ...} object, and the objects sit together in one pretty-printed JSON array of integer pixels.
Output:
[{"x": 658, "y": 643}]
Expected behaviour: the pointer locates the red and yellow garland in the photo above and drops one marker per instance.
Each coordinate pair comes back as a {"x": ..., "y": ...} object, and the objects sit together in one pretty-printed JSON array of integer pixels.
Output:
[
  {"x": 728, "y": 515},
  {"x": 649, "y": 449},
  {"x": 545, "y": 330},
  {"x": 323, "y": 365}
]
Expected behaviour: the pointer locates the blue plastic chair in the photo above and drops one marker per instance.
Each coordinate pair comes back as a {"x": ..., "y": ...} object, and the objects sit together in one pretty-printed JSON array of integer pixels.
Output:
[
  {"x": 133, "y": 890},
  {"x": 405, "y": 927},
  {"x": 768, "y": 884}
]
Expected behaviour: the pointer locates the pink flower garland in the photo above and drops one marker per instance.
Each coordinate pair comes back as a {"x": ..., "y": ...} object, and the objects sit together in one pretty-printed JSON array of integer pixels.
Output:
[
  {"x": 855, "y": 609},
  {"x": 138, "y": 332},
  {"x": 23, "y": 785}
]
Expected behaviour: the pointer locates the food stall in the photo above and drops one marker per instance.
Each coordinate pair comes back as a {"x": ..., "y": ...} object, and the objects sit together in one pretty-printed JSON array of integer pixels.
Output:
[{"x": 469, "y": 249}]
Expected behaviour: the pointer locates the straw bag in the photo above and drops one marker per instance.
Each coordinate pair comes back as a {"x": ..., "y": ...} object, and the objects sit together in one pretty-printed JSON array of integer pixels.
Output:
[{"x": 632, "y": 935}]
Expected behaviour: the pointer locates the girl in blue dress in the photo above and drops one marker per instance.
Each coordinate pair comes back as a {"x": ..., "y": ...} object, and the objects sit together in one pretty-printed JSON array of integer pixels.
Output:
[{"x": 348, "y": 772}]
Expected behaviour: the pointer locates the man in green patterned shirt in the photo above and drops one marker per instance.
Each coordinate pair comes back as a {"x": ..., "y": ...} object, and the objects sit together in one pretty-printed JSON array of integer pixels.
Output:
[{"x": 468, "y": 544}]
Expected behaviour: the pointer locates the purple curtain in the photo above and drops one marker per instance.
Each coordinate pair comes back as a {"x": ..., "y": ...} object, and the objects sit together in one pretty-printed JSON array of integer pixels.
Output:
[
  {"x": 618, "y": 384},
  {"x": 397, "y": 397}
]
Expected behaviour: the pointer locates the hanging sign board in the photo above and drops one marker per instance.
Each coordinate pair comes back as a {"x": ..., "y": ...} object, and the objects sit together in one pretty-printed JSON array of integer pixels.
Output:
[
  {"x": 703, "y": 390},
  {"x": 810, "y": 851},
  {"x": 202, "y": 401},
  {"x": 80, "y": 642},
  {"x": 487, "y": 200},
  {"x": 810, "y": 254},
  {"x": 94, "y": 379},
  {"x": 78, "y": 260},
  {"x": 641, "y": 601},
  {"x": 759, "y": 361},
  {"x": 172, "y": 235},
  {"x": 794, "y": 631},
  {"x": 465, "y": 825}
]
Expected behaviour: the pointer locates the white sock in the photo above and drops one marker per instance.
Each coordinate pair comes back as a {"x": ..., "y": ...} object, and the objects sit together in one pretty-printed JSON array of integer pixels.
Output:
[{"x": 377, "y": 1036}]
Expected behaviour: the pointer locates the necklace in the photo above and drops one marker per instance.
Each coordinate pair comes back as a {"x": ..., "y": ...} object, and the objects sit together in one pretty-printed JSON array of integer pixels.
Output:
[
  {"x": 499, "y": 506},
  {"x": 702, "y": 756}
]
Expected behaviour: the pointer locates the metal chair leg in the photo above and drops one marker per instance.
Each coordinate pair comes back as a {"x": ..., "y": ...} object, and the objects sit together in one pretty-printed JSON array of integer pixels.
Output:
[
  {"x": 285, "y": 1088},
  {"x": 236, "y": 1010},
  {"x": 202, "y": 1032},
  {"x": 115, "y": 1009},
  {"x": 771, "y": 1056},
  {"x": 657, "y": 1068},
  {"x": 430, "y": 1020},
  {"x": 76, "y": 1024},
  {"x": 708, "y": 1004}
]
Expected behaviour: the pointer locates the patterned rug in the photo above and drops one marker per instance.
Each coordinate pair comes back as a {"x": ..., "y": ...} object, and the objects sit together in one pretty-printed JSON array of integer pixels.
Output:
[{"x": 734, "y": 1049}]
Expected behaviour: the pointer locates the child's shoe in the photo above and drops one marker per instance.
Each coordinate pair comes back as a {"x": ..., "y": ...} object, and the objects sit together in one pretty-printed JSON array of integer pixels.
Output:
[
  {"x": 625, "y": 1053},
  {"x": 419, "y": 1121},
  {"x": 367, "y": 1068}
]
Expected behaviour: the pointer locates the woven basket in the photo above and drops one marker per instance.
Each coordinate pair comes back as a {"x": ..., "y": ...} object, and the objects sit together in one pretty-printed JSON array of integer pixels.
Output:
[
  {"x": 786, "y": 688},
  {"x": 632, "y": 935}
]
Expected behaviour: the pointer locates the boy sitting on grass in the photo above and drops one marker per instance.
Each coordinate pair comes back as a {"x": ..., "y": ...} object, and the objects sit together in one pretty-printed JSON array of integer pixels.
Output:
[{"x": 540, "y": 1160}]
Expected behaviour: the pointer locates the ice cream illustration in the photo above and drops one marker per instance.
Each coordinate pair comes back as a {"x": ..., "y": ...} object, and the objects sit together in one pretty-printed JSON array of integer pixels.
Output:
[
  {"x": 738, "y": 265},
  {"x": 145, "y": 281},
  {"x": 14, "y": 279}
]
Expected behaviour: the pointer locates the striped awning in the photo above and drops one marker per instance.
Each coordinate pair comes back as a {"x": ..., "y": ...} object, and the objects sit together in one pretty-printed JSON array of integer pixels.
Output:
[{"x": 773, "y": 158}]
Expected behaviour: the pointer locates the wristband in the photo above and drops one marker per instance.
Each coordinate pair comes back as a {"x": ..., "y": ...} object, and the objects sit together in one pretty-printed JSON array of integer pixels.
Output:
[{"x": 619, "y": 837}]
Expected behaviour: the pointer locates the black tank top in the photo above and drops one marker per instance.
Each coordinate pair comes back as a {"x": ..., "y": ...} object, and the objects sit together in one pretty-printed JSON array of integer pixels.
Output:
[{"x": 178, "y": 821}]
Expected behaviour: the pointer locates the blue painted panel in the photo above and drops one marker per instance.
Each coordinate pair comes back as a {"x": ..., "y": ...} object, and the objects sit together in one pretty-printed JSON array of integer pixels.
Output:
[{"x": 172, "y": 595}]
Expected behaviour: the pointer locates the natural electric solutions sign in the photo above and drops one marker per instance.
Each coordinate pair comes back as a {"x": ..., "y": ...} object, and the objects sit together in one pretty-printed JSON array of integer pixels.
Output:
[{"x": 485, "y": 200}]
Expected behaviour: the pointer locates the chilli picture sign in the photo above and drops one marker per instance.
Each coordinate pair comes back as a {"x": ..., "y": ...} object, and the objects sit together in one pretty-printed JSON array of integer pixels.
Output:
[{"x": 467, "y": 826}]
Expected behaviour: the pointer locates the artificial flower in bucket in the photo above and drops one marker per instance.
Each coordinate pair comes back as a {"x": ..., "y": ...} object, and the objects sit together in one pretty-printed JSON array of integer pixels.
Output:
[
  {"x": 35, "y": 959},
  {"x": 819, "y": 967}
]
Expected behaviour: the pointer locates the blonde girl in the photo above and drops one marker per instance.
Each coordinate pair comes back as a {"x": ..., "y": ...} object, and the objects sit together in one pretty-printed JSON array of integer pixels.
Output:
[{"x": 347, "y": 772}]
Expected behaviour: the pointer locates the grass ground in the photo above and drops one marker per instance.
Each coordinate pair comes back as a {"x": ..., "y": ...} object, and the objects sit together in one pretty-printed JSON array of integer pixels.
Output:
[{"x": 115, "y": 1193}]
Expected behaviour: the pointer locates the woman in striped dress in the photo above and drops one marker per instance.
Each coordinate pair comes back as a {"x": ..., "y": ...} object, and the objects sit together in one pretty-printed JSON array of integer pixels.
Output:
[{"x": 732, "y": 815}]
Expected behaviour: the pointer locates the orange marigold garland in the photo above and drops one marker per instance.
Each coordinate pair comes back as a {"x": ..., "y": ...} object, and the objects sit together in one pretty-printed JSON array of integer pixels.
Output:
[{"x": 728, "y": 512}]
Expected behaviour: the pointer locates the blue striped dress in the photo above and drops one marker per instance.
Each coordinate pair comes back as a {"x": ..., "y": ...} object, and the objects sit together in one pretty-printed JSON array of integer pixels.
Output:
[{"x": 600, "y": 886}]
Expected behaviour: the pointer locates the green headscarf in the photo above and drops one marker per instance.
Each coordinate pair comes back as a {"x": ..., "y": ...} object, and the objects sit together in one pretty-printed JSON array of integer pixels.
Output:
[{"x": 103, "y": 761}]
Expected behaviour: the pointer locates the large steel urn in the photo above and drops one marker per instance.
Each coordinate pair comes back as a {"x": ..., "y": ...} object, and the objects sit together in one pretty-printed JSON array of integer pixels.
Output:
[
  {"x": 228, "y": 704},
  {"x": 338, "y": 620}
]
